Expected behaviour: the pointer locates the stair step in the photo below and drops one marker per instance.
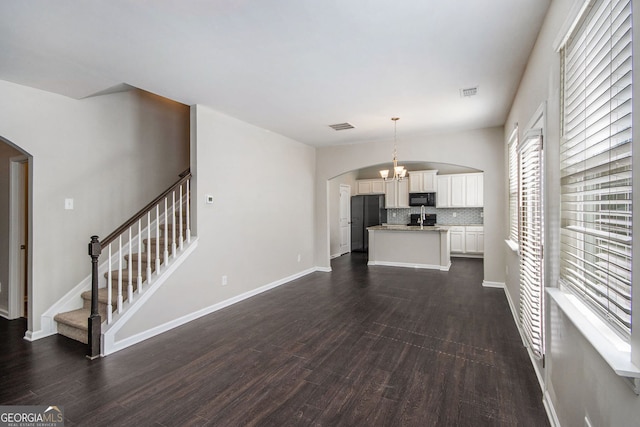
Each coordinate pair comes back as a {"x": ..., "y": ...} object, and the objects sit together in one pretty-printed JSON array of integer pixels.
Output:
[
  {"x": 103, "y": 296},
  {"x": 125, "y": 275},
  {"x": 74, "y": 324},
  {"x": 144, "y": 259}
]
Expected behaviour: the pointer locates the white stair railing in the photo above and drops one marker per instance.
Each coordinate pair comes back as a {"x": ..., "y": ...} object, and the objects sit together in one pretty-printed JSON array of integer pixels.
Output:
[{"x": 153, "y": 221}]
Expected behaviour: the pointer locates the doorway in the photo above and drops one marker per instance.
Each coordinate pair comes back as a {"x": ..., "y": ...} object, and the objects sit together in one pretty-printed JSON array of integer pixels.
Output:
[
  {"x": 345, "y": 219},
  {"x": 19, "y": 237}
]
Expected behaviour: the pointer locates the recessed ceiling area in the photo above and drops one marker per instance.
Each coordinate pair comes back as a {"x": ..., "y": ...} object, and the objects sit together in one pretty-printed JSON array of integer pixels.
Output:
[{"x": 288, "y": 66}]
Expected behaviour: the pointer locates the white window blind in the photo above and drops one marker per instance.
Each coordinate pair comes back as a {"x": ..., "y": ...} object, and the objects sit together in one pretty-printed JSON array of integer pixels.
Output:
[
  {"x": 513, "y": 186},
  {"x": 531, "y": 240},
  {"x": 595, "y": 156}
]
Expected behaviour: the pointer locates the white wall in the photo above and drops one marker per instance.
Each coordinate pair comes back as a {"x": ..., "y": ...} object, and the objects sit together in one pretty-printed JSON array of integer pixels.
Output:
[
  {"x": 578, "y": 382},
  {"x": 262, "y": 217},
  {"x": 112, "y": 154},
  {"x": 480, "y": 149},
  {"x": 334, "y": 206}
]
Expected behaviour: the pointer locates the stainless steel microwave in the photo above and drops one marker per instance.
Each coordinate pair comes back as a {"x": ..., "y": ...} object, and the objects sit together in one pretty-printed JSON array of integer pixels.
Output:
[{"x": 422, "y": 199}]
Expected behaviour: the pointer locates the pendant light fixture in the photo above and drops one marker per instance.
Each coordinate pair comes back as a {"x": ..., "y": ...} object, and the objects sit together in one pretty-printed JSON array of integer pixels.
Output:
[{"x": 399, "y": 172}]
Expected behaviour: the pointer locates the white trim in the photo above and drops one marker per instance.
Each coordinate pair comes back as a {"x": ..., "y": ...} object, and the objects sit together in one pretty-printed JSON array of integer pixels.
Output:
[
  {"x": 112, "y": 346},
  {"x": 513, "y": 246},
  {"x": 410, "y": 265},
  {"x": 109, "y": 345},
  {"x": 488, "y": 284},
  {"x": 336, "y": 255},
  {"x": 613, "y": 349},
  {"x": 14, "y": 287},
  {"x": 578, "y": 9},
  {"x": 4, "y": 313},
  {"x": 323, "y": 269},
  {"x": 514, "y": 313},
  {"x": 551, "y": 410}
]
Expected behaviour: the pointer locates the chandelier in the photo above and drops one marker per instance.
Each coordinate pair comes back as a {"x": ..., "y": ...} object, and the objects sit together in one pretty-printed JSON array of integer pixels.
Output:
[{"x": 399, "y": 172}]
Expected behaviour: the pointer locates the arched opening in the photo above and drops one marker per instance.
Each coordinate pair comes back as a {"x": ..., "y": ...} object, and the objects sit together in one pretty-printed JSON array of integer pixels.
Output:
[
  {"x": 445, "y": 215},
  {"x": 15, "y": 231}
]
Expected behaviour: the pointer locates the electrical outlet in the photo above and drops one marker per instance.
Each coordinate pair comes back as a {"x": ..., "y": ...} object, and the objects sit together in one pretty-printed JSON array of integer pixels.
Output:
[
  {"x": 209, "y": 199},
  {"x": 299, "y": 257},
  {"x": 68, "y": 204},
  {"x": 224, "y": 280}
]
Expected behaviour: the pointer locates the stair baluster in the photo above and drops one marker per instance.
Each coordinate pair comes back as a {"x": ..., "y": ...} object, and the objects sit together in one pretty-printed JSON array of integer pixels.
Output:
[
  {"x": 120, "y": 298},
  {"x": 157, "y": 239},
  {"x": 139, "y": 281},
  {"x": 174, "y": 248},
  {"x": 188, "y": 231},
  {"x": 130, "y": 272}
]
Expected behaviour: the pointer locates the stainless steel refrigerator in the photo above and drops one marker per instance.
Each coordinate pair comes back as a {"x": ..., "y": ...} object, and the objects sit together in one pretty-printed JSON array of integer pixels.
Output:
[{"x": 365, "y": 211}]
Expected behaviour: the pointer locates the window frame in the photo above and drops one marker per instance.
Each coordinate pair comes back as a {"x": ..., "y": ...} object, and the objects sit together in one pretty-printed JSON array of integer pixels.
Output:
[{"x": 579, "y": 247}]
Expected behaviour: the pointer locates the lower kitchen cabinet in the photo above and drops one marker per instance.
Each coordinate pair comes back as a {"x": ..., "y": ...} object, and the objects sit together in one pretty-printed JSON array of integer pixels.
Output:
[
  {"x": 466, "y": 240},
  {"x": 456, "y": 239}
]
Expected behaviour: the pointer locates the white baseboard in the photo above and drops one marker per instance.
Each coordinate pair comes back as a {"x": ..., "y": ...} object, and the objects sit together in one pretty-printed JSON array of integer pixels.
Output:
[
  {"x": 4, "y": 313},
  {"x": 551, "y": 411},
  {"x": 115, "y": 346},
  {"x": 488, "y": 284},
  {"x": 323, "y": 269},
  {"x": 410, "y": 265}
]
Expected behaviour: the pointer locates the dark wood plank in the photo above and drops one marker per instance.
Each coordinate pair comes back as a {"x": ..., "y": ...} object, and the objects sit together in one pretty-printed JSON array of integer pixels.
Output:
[{"x": 375, "y": 346}]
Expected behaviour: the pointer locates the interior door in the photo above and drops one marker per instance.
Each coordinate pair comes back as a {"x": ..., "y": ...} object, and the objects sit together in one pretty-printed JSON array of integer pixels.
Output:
[{"x": 345, "y": 219}]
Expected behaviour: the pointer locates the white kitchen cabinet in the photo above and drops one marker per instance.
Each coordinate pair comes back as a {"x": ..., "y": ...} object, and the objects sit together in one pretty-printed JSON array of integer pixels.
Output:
[
  {"x": 467, "y": 240},
  {"x": 474, "y": 190},
  {"x": 465, "y": 190},
  {"x": 423, "y": 181},
  {"x": 443, "y": 191},
  {"x": 474, "y": 240},
  {"x": 456, "y": 239},
  {"x": 396, "y": 194},
  {"x": 370, "y": 186},
  {"x": 458, "y": 191}
]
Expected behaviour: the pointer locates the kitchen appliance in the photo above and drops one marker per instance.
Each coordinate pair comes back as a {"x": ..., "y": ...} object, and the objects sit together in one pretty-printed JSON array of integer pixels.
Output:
[
  {"x": 429, "y": 219},
  {"x": 422, "y": 199},
  {"x": 366, "y": 211}
]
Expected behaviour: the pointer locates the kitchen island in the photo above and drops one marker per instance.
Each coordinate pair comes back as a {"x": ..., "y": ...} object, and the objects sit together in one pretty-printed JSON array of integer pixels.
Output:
[{"x": 410, "y": 246}]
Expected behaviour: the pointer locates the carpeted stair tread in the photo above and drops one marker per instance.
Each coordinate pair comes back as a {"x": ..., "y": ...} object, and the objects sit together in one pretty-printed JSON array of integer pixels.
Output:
[
  {"x": 103, "y": 295},
  {"x": 76, "y": 318}
]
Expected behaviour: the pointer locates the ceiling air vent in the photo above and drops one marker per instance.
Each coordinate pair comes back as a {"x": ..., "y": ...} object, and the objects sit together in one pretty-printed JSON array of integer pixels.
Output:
[
  {"x": 470, "y": 91},
  {"x": 342, "y": 126}
]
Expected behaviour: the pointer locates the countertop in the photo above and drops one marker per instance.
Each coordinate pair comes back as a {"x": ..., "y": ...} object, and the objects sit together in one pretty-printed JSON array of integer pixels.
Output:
[{"x": 400, "y": 227}]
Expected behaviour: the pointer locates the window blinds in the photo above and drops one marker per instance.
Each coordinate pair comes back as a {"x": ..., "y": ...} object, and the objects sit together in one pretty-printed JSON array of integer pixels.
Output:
[
  {"x": 531, "y": 240},
  {"x": 513, "y": 186},
  {"x": 595, "y": 156}
]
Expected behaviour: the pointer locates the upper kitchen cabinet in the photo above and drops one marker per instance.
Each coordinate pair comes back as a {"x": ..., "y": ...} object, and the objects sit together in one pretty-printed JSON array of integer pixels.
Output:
[
  {"x": 396, "y": 194},
  {"x": 465, "y": 190},
  {"x": 422, "y": 181},
  {"x": 370, "y": 186}
]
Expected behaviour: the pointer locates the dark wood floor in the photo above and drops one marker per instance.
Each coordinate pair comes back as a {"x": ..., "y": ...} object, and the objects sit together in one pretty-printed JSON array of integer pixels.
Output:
[{"x": 361, "y": 346}]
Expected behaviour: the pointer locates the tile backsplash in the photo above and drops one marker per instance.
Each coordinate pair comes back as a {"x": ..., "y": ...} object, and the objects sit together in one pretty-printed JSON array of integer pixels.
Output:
[{"x": 463, "y": 216}]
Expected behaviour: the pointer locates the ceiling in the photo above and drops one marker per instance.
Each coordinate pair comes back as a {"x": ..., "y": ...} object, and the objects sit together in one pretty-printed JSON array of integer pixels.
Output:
[{"x": 290, "y": 66}]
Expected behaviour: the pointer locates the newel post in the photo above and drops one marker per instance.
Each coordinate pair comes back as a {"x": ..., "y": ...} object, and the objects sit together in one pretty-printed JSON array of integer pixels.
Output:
[{"x": 95, "y": 321}]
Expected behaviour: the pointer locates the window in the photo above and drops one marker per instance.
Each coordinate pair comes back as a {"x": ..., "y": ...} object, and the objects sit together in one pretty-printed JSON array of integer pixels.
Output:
[
  {"x": 513, "y": 186},
  {"x": 531, "y": 240},
  {"x": 595, "y": 161}
]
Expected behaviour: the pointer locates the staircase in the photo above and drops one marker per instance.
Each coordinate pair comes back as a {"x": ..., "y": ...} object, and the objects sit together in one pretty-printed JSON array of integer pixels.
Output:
[
  {"x": 141, "y": 250},
  {"x": 74, "y": 324}
]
